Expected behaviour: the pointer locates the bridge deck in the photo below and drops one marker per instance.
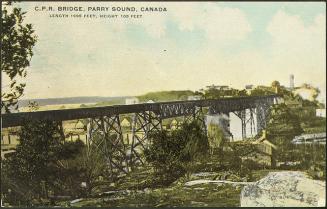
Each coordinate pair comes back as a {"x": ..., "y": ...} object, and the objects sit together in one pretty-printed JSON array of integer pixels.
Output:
[{"x": 165, "y": 109}]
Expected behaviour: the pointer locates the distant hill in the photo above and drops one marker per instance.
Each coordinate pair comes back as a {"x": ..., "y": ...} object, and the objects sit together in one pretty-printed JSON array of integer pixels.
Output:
[
  {"x": 72, "y": 100},
  {"x": 159, "y": 96},
  {"x": 163, "y": 96}
]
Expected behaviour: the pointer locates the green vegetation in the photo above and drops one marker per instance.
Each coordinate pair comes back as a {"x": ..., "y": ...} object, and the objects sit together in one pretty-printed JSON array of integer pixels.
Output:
[
  {"x": 216, "y": 93},
  {"x": 83, "y": 106},
  {"x": 116, "y": 101},
  {"x": 162, "y": 96},
  {"x": 37, "y": 168},
  {"x": 17, "y": 42},
  {"x": 170, "y": 153},
  {"x": 55, "y": 168},
  {"x": 295, "y": 117},
  {"x": 217, "y": 140},
  {"x": 283, "y": 125},
  {"x": 211, "y": 195},
  {"x": 33, "y": 106},
  {"x": 119, "y": 101},
  {"x": 93, "y": 171},
  {"x": 45, "y": 166}
]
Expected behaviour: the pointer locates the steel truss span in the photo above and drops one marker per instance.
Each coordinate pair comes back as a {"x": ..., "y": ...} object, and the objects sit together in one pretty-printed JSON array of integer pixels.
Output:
[
  {"x": 104, "y": 133},
  {"x": 163, "y": 109}
]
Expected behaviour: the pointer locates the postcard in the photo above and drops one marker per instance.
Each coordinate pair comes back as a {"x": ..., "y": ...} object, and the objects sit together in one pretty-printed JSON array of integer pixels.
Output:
[{"x": 163, "y": 104}]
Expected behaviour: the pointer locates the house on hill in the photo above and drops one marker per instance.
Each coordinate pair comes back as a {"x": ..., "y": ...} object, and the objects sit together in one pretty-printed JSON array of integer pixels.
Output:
[
  {"x": 262, "y": 150},
  {"x": 249, "y": 88}
]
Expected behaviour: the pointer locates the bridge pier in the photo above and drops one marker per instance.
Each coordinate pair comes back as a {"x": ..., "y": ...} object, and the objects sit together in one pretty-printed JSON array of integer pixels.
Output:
[
  {"x": 197, "y": 114},
  {"x": 143, "y": 124},
  {"x": 104, "y": 134},
  {"x": 200, "y": 116},
  {"x": 262, "y": 114},
  {"x": 242, "y": 115},
  {"x": 251, "y": 121},
  {"x": 247, "y": 118}
]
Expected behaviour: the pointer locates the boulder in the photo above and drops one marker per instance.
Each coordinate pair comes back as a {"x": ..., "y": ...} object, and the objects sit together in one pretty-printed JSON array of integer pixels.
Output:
[{"x": 284, "y": 189}]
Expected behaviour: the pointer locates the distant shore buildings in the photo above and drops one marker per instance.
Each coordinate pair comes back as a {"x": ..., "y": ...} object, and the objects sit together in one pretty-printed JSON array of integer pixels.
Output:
[
  {"x": 131, "y": 100},
  {"x": 194, "y": 97},
  {"x": 219, "y": 87},
  {"x": 249, "y": 88}
]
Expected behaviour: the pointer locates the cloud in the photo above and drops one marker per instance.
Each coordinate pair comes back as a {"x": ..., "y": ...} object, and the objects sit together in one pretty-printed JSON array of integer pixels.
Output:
[
  {"x": 289, "y": 31},
  {"x": 219, "y": 23},
  {"x": 299, "y": 48},
  {"x": 112, "y": 57}
]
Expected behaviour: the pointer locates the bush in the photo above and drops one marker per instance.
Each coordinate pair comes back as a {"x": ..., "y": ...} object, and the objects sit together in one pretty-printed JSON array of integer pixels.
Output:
[
  {"x": 37, "y": 168},
  {"x": 171, "y": 153}
]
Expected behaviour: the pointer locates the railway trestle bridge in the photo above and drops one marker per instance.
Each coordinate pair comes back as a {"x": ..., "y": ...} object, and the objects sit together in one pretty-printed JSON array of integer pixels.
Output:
[{"x": 105, "y": 134}]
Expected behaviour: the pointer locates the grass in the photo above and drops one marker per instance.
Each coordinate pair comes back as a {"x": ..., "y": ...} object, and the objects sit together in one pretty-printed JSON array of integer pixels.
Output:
[
  {"x": 259, "y": 174},
  {"x": 208, "y": 195}
]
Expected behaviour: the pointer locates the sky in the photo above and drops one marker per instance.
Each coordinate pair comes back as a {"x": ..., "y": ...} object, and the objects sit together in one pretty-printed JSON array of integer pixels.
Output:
[{"x": 192, "y": 45}]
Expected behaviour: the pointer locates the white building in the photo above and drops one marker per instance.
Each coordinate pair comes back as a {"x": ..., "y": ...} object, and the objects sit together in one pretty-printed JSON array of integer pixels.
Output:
[
  {"x": 132, "y": 100},
  {"x": 194, "y": 97},
  {"x": 291, "y": 81},
  {"x": 249, "y": 88}
]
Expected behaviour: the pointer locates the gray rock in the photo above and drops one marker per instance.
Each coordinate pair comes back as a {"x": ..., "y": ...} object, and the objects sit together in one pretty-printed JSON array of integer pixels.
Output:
[
  {"x": 284, "y": 189},
  {"x": 204, "y": 174},
  {"x": 76, "y": 201}
]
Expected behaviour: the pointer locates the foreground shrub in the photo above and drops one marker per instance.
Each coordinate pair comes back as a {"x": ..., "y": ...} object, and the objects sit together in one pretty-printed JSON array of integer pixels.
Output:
[
  {"x": 37, "y": 169},
  {"x": 172, "y": 153}
]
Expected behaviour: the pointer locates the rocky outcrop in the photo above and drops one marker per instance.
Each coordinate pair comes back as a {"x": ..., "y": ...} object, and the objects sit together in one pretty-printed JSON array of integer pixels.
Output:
[{"x": 284, "y": 189}]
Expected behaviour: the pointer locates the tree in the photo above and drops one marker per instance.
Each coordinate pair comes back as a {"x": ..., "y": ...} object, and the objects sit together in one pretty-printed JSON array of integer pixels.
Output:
[
  {"x": 242, "y": 93},
  {"x": 282, "y": 127},
  {"x": 262, "y": 91},
  {"x": 283, "y": 123},
  {"x": 17, "y": 42},
  {"x": 170, "y": 153},
  {"x": 275, "y": 84},
  {"x": 83, "y": 105},
  {"x": 91, "y": 166},
  {"x": 217, "y": 140},
  {"x": 216, "y": 93},
  {"x": 37, "y": 166},
  {"x": 33, "y": 106},
  {"x": 314, "y": 91}
]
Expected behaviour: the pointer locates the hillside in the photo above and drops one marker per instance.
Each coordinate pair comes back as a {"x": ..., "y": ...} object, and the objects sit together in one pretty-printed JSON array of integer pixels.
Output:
[
  {"x": 161, "y": 96},
  {"x": 95, "y": 101}
]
